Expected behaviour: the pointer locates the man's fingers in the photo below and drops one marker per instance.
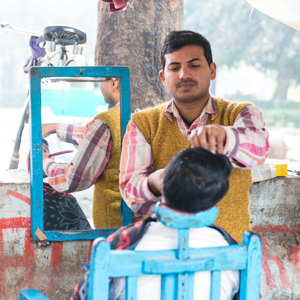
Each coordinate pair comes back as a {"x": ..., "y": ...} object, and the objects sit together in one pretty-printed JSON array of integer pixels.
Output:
[
  {"x": 198, "y": 138},
  {"x": 202, "y": 138},
  {"x": 220, "y": 143},
  {"x": 209, "y": 137},
  {"x": 212, "y": 143},
  {"x": 194, "y": 139}
]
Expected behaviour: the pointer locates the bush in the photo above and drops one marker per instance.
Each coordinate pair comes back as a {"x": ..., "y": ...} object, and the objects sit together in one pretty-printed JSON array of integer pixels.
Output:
[{"x": 280, "y": 114}]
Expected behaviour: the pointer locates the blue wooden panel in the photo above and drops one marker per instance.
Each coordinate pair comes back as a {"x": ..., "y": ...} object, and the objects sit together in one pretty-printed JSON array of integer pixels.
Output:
[
  {"x": 107, "y": 264},
  {"x": 177, "y": 266},
  {"x": 164, "y": 261},
  {"x": 252, "y": 274},
  {"x": 183, "y": 244},
  {"x": 32, "y": 295},
  {"x": 190, "y": 286},
  {"x": 78, "y": 235},
  {"x": 168, "y": 287},
  {"x": 131, "y": 288},
  {"x": 98, "y": 287},
  {"x": 215, "y": 285},
  {"x": 180, "y": 221},
  {"x": 37, "y": 207},
  {"x": 36, "y": 171},
  {"x": 182, "y": 286}
]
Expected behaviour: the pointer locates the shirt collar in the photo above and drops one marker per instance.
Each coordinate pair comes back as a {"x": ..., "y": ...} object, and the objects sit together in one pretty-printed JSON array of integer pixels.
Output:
[{"x": 210, "y": 109}]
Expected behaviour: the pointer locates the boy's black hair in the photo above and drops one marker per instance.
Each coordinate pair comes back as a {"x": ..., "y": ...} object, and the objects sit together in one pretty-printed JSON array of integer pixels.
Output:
[
  {"x": 195, "y": 180},
  {"x": 45, "y": 142}
]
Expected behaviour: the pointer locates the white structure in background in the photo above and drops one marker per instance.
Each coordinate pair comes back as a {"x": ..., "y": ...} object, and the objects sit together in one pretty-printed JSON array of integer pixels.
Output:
[{"x": 285, "y": 11}]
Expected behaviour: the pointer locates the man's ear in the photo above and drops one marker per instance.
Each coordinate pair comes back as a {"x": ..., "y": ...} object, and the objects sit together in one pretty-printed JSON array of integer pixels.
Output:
[
  {"x": 115, "y": 84},
  {"x": 213, "y": 70},
  {"x": 162, "y": 77}
]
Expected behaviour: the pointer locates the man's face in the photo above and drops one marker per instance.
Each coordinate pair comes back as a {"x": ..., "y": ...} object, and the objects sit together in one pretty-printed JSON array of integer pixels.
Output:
[
  {"x": 187, "y": 74},
  {"x": 106, "y": 90}
]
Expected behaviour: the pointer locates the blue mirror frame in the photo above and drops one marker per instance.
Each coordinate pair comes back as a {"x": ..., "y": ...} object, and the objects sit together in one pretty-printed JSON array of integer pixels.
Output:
[{"x": 36, "y": 171}]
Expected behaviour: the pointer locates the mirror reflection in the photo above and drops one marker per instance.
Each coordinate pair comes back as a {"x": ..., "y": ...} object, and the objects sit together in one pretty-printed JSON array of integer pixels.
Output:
[{"x": 81, "y": 153}]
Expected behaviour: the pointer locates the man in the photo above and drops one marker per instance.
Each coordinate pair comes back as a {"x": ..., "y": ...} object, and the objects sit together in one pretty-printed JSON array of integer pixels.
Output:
[
  {"x": 194, "y": 181},
  {"x": 192, "y": 118},
  {"x": 96, "y": 161}
]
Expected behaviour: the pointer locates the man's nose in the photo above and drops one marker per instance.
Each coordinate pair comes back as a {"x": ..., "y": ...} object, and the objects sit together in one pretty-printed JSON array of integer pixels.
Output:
[{"x": 184, "y": 73}]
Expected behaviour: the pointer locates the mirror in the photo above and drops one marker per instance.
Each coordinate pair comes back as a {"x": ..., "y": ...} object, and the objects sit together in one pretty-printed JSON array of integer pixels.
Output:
[
  {"x": 68, "y": 95},
  {"x": 73, "y": 102}
]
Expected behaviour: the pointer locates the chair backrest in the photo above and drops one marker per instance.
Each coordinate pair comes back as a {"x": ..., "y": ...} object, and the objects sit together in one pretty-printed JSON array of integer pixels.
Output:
[{"x": 177, "y": 267}]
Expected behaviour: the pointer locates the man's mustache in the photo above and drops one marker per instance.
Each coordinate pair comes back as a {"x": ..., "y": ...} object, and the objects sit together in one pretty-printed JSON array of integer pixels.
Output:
[{"x": 186, "y": 81}]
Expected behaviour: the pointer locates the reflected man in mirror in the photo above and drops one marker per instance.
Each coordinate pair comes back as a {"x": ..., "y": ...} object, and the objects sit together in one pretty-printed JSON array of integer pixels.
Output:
[
  {"x": 96, "y": 161},
  {"x": 193, "y": 118}
]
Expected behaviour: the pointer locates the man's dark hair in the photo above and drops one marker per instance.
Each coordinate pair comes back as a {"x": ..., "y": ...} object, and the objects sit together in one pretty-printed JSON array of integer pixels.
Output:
[
  {"x": 195, "y": 180},
  {"x": 178, "y": 39}
]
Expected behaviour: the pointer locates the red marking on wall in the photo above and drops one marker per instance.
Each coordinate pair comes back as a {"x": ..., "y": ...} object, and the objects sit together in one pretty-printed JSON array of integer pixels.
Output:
[
  {"x": 285, "y": 281},
  {"x": 293, "y": 255},
  {"x": 269, "y": 277},
  {"x": 282, "y": 273},
  {"x": 27, "y": 260},
  {"x": 19, "y": 222},
  {"x": 56, "y": 255},
  {"x": 55, "y": 266},
  {"x": 276, "y": 228},
  {"x": 90, "y": 249},
  {"x": 19, "y": 196}
]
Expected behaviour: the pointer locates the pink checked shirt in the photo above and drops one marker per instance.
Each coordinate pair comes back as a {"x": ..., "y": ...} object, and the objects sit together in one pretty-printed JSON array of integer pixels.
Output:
[
  {"x": 247, "y": 146},
  {"x": 94, "y": 143}
]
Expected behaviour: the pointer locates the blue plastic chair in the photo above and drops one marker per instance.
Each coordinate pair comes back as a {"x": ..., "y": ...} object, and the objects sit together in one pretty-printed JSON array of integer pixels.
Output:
[{"x": 176, "y": 267}]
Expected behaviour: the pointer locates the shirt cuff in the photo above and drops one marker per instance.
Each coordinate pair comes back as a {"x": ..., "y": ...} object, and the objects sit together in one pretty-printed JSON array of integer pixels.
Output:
[
  {"x": 46, "y": 164},
  {"x": 147, "y": 194},
  {"x": 232, "y": 142}
]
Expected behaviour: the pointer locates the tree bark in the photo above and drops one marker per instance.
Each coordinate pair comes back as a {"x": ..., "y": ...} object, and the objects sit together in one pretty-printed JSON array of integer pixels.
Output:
[
  {"x": 134, "y": 38},
  {"x": 285, "y": 74}
]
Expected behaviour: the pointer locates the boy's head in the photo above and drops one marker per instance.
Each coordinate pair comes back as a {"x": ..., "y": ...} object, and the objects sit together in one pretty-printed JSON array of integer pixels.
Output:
[
  {"x": 195, "y": 180},
  {"x": 178, "y": 39},
  {"x": 45, "y": 145},
  {"x": 46, "y": 151}
]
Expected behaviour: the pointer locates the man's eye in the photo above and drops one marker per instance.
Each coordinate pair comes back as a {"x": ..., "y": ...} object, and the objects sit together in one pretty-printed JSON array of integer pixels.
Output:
[
  {"x": 195, "y": 66},
  {"x": 174, "y": 69}
]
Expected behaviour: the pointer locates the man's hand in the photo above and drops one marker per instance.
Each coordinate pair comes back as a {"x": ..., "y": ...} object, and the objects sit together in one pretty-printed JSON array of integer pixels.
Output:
[
  {"x": 209, "y": 137},
  {"x": 155, "y": 182},
  {"x": 48, "y": 129}
]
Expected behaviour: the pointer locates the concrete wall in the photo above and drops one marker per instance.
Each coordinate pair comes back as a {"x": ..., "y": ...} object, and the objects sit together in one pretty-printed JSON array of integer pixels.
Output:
[
  {"x": 55, "y": 269},
  {"x": 275, "y": 209}
]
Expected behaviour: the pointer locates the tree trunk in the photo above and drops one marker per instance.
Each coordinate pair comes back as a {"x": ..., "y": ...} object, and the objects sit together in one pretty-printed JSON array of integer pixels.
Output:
[
  {"x": 285, "y": 74},
  {"x": 134, "y": 38}
]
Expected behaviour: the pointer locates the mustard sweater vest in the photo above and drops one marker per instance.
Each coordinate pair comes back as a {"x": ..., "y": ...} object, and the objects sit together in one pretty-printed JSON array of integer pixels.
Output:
[
  {"x": 107, "y": 197},
  {"x": 166, "y": 140}
]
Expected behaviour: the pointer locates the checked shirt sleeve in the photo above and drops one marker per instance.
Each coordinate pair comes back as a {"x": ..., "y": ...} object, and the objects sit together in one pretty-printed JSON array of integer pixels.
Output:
[
  {"x": 88, "y": 163},
  {"x": 136, "y": 165},
  {"x": 247, "y": 140}
]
